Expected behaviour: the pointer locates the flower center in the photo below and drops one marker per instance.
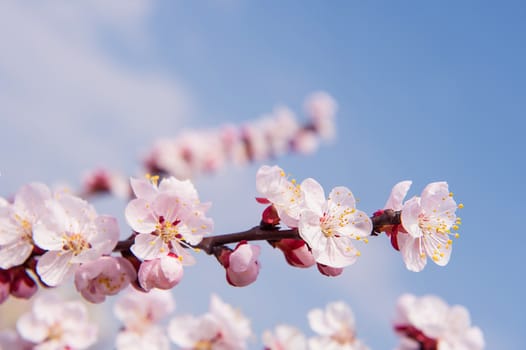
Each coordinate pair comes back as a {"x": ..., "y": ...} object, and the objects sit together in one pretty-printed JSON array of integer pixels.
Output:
[
  {"x": 26, "y": 228},
  {"x": 75, "y": 243},
  {"x": 203, "y": 345},
  {"x": 344, "y": 336},
  {"x": 168, "y": 231}
]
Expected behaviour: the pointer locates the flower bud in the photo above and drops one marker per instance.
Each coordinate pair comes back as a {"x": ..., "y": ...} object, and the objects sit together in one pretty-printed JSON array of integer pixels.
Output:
[
  {"x": 22, "y": 285},
  {"x": 162, "y": 273},
  {"x": 5, "y": 285},
  {"x": 329, "y": 270},
  {"x": 242, "y": 267},
  {"x": 296, "y": 252}
]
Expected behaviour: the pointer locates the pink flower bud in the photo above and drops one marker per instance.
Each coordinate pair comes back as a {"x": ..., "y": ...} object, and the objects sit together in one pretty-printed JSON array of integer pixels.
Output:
[
  {"x": 270, "y": 216},
  {"x": 296, "y": 252},
  {"x": 242, "y": 267},
  {"x": 104, "y": 276},
  {"x": 163, "y": 273},
  {"x": 5, "y": 285},
  {"x": 22, "y": 285},
  {"x": 329, "y": 271}
]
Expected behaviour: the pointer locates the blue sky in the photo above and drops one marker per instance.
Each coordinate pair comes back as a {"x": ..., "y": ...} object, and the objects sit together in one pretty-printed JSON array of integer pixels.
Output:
[{"x": 427, "y": 91}]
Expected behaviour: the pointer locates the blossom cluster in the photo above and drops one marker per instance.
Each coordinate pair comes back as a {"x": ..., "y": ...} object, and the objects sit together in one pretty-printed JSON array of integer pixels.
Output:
[
  {"x": 329, "y": 226},
  {"x": 195, "y": 152},
  {"x": 50, "y": 235},
  {"x": 428, "y": 323}
]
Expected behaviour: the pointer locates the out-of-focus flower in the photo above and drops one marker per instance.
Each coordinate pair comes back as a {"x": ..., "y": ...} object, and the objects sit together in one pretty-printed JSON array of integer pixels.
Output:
[
  {"x": 17, "y": 222},
  {"x": 329, "y": 226},
  {"x": 274, "y": 134},
  {"x": 335, "y": 327},
  {"x": 165, "y": 217},
  {"x": 428, "y": 323},
  {"x": 296, "y": 252},
  {"x": 163, "y": 273},
  {"x": 140, "y": 314},
  {"x": 241, "y": 264},
  {"x": 73, "y": 233},
  {"x": 284, "y": 194},
  {"x": 222, "y": 328},
  {"x": 11, "y": 340},
  {"x": 426, "y": 227},
  {"x": 53, "y": 324},
  {"x": 284, "y": 337},
  {"x": 22, "y": 284},
  {"x": 105, "y": 181},
  {"x": 104, "y": 276}
]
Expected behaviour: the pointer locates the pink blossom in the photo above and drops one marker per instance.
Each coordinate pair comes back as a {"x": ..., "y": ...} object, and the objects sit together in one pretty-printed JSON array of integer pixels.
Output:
[
  {"x": 284, "y": 194},
  {"x": 104, "y": 276},
  {"x": 166, "y": 217},
  {"x": 73, "y": 233},
  {"x": 163, "y": 273},
  {"x": 296, "y": 252},
  {"x": 17, "y": 222},
  {"x": 105, "y": 181},
  {"x": 426, "y": 227},
  {"x": 140, "y": 314},
  {"x": 329, "y": 226},
  {"x": 428, "y": 322},
  {"x": 10, "y": 339},
  {"x": 335, "y": 327},
  {"x": 53, "y": 324},
  {"x": 222, "y": 328},
  {"x": 284, "y": 337},
  {"x": 322, "y": 108},
  {"x": 305, "y": 142},
  {"x": 242, "y": 266}
]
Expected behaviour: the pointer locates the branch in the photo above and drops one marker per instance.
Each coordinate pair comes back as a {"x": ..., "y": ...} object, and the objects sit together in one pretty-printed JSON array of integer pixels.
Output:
[{"x": 380, "y": 220}]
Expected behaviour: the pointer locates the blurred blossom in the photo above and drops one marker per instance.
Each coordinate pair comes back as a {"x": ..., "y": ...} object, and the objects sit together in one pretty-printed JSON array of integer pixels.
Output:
[
  {"x": 195, "y": 152},
  {"x": 284, "y": 337},
  {"x": 335, "y": 328},
  {"x": 104, "y": 276},
  {"x": 53, "y": 324},
  {"x": 241, "y": 264},
  {"x": 428, "y": 323},
  {"x": 140, "y": 314},
  {"x": 222, "y": 328}
]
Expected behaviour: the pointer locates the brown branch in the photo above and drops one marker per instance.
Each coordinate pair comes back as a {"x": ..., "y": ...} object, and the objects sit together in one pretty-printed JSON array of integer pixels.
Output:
[{"x": 262, "y": 233}]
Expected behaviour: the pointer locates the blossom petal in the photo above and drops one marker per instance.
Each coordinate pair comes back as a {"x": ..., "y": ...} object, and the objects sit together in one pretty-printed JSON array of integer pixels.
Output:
[
  {"x": 140, "y": 216},
  {"x": 107, "y": 233},
  {"x": 148, "y": 247},
  {"x": 53, "y": 267},
  {"x": 412, "y": 252},
  {"x": 9, "y": 231},
  {"x": 410, "y": 217},
  {"x": 314, "y": 196},
  {"x": 30, "y": 199},
  {"x": 341, "y": 197},
  {"x": 339, "y": 252},
  {"x": 143, "y": 189},
  {"x": 397, "y": 196},
  {"x": 14, "y": 254}
]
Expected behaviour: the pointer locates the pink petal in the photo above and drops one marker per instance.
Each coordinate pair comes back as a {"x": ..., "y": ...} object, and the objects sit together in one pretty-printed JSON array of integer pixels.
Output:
[
  {"x": 410, "y": 217},
  {"x": 53, "y": 267},
  {"x": 143, "y": 189},
  {"x": 148, "y": 247},
  {"x": 397, "y": 196},
  {"x": 140, "y": 216}
]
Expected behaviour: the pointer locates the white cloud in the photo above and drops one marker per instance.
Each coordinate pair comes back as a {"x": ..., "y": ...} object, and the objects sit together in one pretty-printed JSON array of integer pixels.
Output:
[{"x": 62, "y": 83}]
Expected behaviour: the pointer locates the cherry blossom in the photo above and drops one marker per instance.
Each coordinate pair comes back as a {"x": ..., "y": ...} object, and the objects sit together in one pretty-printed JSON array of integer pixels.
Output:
[
  {"x": 427, "y": 222},
  {"x": 73, "y": 233},
  {"x": 105, "y": 181},
  {"x": 321, "y": 108},
  {"x": 222, "y": 328},
  {"x": 104, "y": 276},
  {"x": 329, "y": 271},
  {"x": 284, "y": 337},
  {"x": 335, "y": 327},
  {"x": 329, "y": 226},
  {"x": 17, "y": 222},
  {"x": 11, "y": 340},
  {"x": 242, "y": 265},
  {"x": 284, "y": 194},
  {"x": 52, "y": 324},
  {"x": 166, "y": 217},
  {"x": 140, "y": 314},
  {"x": 429, "y": 323},
  {"x": 163, "y": 273}
]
